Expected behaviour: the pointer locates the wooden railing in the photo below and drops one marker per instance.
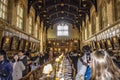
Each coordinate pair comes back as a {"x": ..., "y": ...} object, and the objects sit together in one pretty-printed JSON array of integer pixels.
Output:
[{"x": 37, "y": 73}]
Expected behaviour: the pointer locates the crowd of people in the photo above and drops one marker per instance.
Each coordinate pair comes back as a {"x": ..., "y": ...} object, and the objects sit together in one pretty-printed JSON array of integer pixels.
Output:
[
  {"x": 99, "y": 64},
  {"x": 21, "y": 63},
  {"x": 89, "y": 65}
]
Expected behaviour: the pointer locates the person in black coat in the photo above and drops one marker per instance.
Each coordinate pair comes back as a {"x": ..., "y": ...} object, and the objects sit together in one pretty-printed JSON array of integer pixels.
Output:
[
  {"x": 74, "y": 58},
  {"x": 5, "y": 67}
]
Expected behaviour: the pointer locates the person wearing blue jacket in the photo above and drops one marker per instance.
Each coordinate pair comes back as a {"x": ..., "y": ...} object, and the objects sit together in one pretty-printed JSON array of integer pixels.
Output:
[
  {"x": 84, "y": 71},
  {"x": 88, "y": 73},
  {"x": 5, "y": 67}
]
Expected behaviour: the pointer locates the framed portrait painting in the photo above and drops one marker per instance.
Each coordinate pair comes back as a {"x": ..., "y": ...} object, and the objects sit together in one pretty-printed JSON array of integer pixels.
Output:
[
  {"x": 115, "y": 42},
  {"x": 6, "y": 41},
  {"x": 14, "y": 43},
  {"x": 21, "y": 44},
  {"x": 109, "y": 45}
]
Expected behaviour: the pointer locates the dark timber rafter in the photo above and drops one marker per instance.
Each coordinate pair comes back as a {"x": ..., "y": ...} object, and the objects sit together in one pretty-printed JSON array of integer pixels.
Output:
[{"x": 53, "y": 11}]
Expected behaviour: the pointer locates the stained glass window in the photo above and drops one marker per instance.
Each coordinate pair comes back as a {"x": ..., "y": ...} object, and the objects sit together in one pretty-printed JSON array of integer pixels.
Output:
[
  {"x": 36, "y": 31},
  {"x": 30, "y": 24},
  {"x": 62, "y": 30}
]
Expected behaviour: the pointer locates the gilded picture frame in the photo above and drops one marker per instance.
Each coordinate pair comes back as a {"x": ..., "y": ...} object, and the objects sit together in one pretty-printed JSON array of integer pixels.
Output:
[
  {"x": 109, "y": 45},
  {"x": 22, "y": 44},
  {"x": 6, "y": 43},
  {"x": 14, "y": 43},
  {"x": 115, "y": 42}
]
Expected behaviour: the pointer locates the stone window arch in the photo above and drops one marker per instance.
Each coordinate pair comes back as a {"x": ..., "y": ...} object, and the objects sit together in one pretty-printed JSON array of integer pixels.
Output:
[
  {"x": 104, "y": 20},
  {"x": 93, "y": 23}
]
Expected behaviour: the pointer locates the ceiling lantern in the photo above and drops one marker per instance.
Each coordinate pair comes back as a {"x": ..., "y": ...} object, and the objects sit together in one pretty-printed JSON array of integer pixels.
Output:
[
  {"x": 62, "y": 12},
  {"x": 62, "y": 4}
]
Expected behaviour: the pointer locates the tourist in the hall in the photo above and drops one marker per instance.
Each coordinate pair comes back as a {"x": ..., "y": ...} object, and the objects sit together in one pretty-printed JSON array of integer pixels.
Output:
[
  {"x": 86, "y": 49},
  {"x": 84, "y": 68},
  {"x": 23, "y": 58},
  {"x": 103, "y": 67},
  {"x": 37, "y": 61},
  {"x": 34, "y": 60},
  {"x": 50, "y": 55},
  {"x": 41, "y": 58},
  {"x": 46, "y": 56},
  {"x": 74, "y": 58},
  {"x": 28, "y": 68},
  {"x": 18, "y": 68},
  {"x": 5, "y": 67},
  {"x": 81, "y": 68},
  {"x": 112, "y": 55}
]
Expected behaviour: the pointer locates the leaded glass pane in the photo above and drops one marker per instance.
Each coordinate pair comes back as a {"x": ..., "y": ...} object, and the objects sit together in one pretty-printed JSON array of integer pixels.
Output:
[{"x": 62, "y": 30}]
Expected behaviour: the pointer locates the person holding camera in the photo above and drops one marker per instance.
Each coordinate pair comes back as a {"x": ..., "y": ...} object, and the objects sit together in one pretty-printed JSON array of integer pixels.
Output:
[
  {"x": 23, "y": 59},
  {"x": 5, "y": 67},
  {"x": 18, "y": 67},
  {"x": 84, "y": 70}
]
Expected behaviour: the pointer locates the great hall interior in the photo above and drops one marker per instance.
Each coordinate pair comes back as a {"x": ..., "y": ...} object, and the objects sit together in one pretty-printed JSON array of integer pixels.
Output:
[{"x": 51, "y": 29}]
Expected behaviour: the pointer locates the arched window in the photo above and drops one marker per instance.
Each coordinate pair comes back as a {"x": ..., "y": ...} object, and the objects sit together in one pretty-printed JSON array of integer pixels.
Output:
[
  {"x": 19, "y": 22},
  {"x": 62, "y": 30},
  {"x": 100, "y": 19},
  {"x": 87, "y": 25},
  {"x": 30, "y": 24},
  {"x": 117, "y": 9},
  {"x": 36, "y": 31},
  {"x": 93, "y": 23},
  {"x": 104, "y": 15},
  {"x": 3, "y": 9},
  {"x": 88, "y": 31},
  {"x": 85, "y": 33}
]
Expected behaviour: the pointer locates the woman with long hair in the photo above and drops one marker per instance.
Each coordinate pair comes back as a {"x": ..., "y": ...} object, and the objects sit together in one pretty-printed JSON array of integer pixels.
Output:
[
  {"x": 103, "y": 67},
  {"x": 18, "y": 67}
]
